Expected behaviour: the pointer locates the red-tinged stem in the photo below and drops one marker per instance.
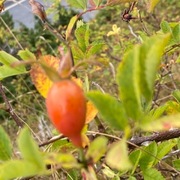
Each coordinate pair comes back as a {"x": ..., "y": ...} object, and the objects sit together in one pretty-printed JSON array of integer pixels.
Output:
[{"x": 90, "y": 10}]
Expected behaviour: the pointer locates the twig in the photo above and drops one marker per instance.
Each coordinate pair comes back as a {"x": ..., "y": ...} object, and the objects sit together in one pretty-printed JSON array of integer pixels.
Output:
[
  {"x": 133, "y": 33},
  {"x": 91, "y": 9},
  {"x": 158, "y": 137},
  {"x": 174, "y": 153},
  {"x": 18, "y": 43},
  {"x": 171, "y": 48},
  {"x": 9, "y": 108},
  {"x": 53, "y": 139}
]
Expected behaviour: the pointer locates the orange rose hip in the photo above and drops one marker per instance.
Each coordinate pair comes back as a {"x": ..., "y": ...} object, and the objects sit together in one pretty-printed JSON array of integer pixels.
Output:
[{"x": 66, "y": 107}]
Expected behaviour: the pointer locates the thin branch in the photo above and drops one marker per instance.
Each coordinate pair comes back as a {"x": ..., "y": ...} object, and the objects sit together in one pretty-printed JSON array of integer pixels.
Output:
[
  {"x": 91, "y": 9},
  {"x": 9, "y": 108},
  {"x": 18, "y": 43},
  {"x": 133, "y": 33},
  {"x": 158, "y": 137},
  {"x": 171, "y": 48},
  {"x": 53, "y": 139},
  {"x": 174, "y": 153}
]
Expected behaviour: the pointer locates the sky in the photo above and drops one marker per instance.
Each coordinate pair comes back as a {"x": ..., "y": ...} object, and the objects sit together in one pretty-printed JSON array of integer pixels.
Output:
[{"x": 21, "y": 12}]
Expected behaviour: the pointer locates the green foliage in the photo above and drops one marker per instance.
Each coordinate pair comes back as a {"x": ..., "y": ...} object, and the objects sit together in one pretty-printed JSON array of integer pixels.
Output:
[
  {"x": 26, "y": 55},
  {"x": 95, "y": 3},
  {"x": 7, "y": 69},
  {"x": 5, "y": 146},
  {"x": 117, "y": 157},
  {"x": 79, "y": 4},
  {"x": 17, "y": 168},
  {"x": 116, "y": 115},
  {"x": 176, "y": 164},
  {"x": 31, "y": 164},
  {"x": 29, "y": 149},
  {"x": 138, "y": 97},
  {"x": 66, "y": 160},
  {"x": 136, "y": 75},
  {"x": 97, "y": 149},
  {"x": 152, "y": 174},
  {"x": 148, "y": 156},
  {"x": 84, "y": 49},
  {"x": 176, "y": 95}
]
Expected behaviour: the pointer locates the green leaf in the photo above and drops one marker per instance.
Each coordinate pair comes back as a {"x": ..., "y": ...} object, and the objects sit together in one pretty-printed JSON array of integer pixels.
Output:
[
  {"x": 148, "y": 156},
  {"x": 51, "y": 72},
  {"x": 6, "y": 69},
  {"x": 65, "y": 160},
  {"x": 152, "y": 4},
  {"x": 176, "y": 164},
  {"x": 97, "y": 149},
  {"x": 178, "y": 59},
  {"x": 128, "y": 81},
  {"x": 166, "y": 28},
  {"x": 111, "y": 110},
  {"x": 18, "y": 168},
  {"x": 79, "y": 4},
  {"x": 5, "y": 145},
  {"x": 26, "y": 55},
  {"x": 176, "y": 33},
  {"x": 134, "y": 158},
  {"x": 95, "y": 3},
  {"x": 131, "y": 178},
  {"x": 158, "y": 112},
  {"x": 163, "y": 149},
  {"x": 152, "y": 173},
  {"x": 82, "y": 35},
  {"x": 137, "y": 73},
  {"x": 116, "y": 2},
  {"x": 77, "y": 52},
  {"x": 176, "y": 95},
  {"x": 94, "y": 48},
  {"x": 29, "y": 149},
  {"x": 109, "y": 172},
  {"x": 117, "y": 157},
  {"x": 150, "y": 57}
]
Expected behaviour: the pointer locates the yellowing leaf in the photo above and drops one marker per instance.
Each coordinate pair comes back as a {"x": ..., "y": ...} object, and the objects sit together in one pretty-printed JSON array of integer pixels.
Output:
[
  {"x": 152, "y": 4},
  {"x": 2, "y": 5},
  {"x": 70, "y": 26},
  {"x": 85, "y": 139},
  {"x": 172, "y": 108},
  {"x": 91, "y": 112},
  {"x": 77, "y": 81},
  {"x": 117, "y": 157},
  {"x": 38, "y": 76},
  {"x": 163, "y": 123}
]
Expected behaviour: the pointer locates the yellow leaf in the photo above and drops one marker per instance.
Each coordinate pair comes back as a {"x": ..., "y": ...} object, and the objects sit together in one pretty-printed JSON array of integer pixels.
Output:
[
  {"x": 2, "y": 5},
  {"x": 38, "y": 76},
  {"x": 77, "y": 81},
  {"x": 91, "y": 112},
  {"x": 85, "y": 139},
  {"x": 152, "y": 4},
  {"x": 91, "y": 109}
]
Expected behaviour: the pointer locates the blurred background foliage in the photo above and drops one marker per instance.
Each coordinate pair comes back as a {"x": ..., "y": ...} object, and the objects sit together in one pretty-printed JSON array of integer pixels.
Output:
[{"x": 26, "y": 101}]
